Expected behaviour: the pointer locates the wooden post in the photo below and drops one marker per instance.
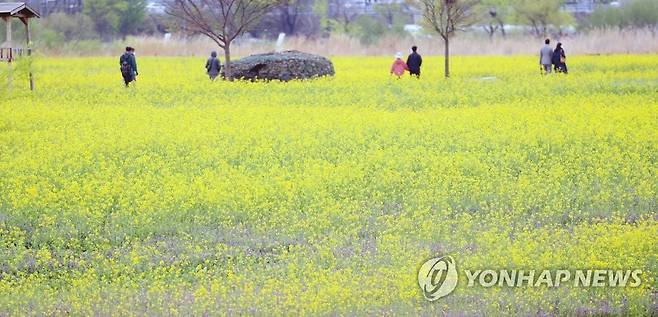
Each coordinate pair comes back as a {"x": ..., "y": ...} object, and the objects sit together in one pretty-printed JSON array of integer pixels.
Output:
[
  {"x": 28, "y": 47},
  {"x": 8, "y": 24},
  {"x": 10, "y": 57}
]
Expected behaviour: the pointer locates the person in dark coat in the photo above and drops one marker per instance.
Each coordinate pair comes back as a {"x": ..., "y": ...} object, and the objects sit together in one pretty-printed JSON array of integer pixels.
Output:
[
  {"x": 213, "y": 66},
  {"x": 559, "y": 59},
  {"x": 414, "y": 61},
  {"x": 128, "y": 65}
]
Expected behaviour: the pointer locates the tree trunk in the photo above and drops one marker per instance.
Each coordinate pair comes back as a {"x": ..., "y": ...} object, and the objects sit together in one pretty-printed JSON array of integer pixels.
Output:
[
  {"x": 227, "y": 62},
  {"x": 491, "y": 30},
  {"x": 446, "y": 66},
  {"x": 536, "y": 28},
  {"x": 28, "y": 46},
  {"x": 287, "y": 22},
  {"x": 502, "y": 27}
]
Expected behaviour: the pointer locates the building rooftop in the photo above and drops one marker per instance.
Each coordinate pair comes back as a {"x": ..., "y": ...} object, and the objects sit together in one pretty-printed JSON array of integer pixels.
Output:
[{"x": 17, "y": 9}]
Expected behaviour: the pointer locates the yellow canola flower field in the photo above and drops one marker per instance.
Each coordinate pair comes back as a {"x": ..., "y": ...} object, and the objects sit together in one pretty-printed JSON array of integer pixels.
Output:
[{"x": 184, "y": 197}]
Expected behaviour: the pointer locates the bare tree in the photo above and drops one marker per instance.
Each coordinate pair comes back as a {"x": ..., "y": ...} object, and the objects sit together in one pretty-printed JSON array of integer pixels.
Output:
[
  {"x": 220, "y": 20},
  {"x": 447, "y": 17},
  {"x": 494, "y": 13},
  {"x": 541, "y": 14},
  {"x": 494, "y": 23}
]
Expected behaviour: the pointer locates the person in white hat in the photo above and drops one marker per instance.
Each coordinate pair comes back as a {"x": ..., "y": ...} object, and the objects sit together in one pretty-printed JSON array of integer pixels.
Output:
[{"x": 399, "y": 66}]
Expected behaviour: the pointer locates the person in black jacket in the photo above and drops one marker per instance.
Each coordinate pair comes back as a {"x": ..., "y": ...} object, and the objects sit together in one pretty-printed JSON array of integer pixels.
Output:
[
  {"x": 128, "y": 66},
  {"x": 559, "y": 59},
  {"x": 213, "y": 66},
  {"x": 414, "y": 61}
]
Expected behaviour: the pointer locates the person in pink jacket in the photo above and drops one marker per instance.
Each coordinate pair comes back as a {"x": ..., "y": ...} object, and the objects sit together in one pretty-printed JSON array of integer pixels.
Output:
[{"x": 399, "y": 66}]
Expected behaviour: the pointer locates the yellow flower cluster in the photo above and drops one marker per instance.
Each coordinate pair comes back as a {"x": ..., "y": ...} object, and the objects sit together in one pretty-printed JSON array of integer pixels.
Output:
[{"x": 180, "y": 196}]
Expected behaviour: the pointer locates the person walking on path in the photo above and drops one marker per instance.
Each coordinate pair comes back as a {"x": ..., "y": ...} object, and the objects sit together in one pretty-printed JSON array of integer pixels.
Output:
[
  {"x": 414, "y": 61},
  {"x": 399, "y": 66},
  {"x": 213, "y": 66},
  {"x": 546, "y": 57},
  {"x": 128, "y": 66},
  {"x": 560, "y": 59}
]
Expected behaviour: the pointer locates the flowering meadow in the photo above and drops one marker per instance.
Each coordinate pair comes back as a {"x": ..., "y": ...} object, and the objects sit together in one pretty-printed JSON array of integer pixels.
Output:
[{"x": 180, "y": 196}]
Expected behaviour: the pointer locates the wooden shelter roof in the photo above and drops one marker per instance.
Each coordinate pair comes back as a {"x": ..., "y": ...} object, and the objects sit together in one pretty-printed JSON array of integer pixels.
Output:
[{"x": 18, "y": 10}]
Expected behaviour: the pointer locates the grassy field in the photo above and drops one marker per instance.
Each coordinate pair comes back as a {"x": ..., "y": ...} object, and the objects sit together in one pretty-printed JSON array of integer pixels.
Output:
[{"x": 185, "y": 197}]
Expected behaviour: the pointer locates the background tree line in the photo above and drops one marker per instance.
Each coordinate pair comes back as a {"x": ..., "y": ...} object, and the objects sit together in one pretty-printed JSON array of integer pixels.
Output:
[{"x": 108, "y": 20}]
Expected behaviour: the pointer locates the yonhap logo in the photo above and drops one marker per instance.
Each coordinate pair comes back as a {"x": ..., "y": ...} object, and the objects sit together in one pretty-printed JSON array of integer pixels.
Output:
[{"x": 437, "y": 277}]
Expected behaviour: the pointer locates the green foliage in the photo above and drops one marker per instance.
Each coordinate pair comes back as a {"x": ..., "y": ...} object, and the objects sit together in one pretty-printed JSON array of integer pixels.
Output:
[
  {"x": 388, "y": 20},
  {"x": 541, "y": 15},
  {"x": 321, "y": 9},
  {"x": 132, "y": 17},
  {"x": 113, "y": 18},
  {"x": 105, "y": 16},
  {"x": 635, "y": 13},
  {"x": 100, "y": 20},
  {"x": 606, "y": 18},
  {"x": 17, "y": 34},
  {"x": 19, "y": 74},
  {"x": 368, "y": 30},
  {"x": 58, "y": 28}
]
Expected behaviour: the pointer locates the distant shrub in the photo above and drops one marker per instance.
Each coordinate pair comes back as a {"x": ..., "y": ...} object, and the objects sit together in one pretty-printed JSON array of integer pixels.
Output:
[
  {"x": 369, "y": 30},
  {"x": 631, "y": 14},
  {"x": 59, "y": 28}
]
